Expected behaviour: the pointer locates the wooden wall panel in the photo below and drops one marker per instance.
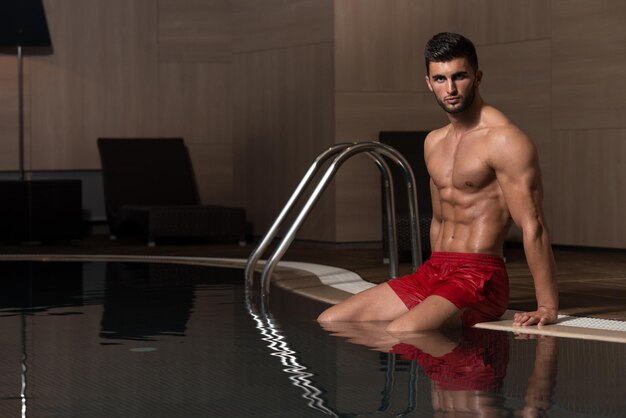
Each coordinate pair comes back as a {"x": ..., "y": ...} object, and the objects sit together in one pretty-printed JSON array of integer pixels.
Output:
[
  {"x": 588, "y": 75},
  {"x": 213, "y": 167},
  {"x": 503, "y": 21},
  {"x": 101, "y": 80},
  {"x": 309, "y": 73},
  {"x": 485, "y": 21},
  {"x": 358, "y": 201},
  {"x": 376, "y": 46},
  {"x": 589, "y": 184},
  {"x": 380, "y": 44},
  {"x": 517, "y": 81},
  {"x": 9, "y": 113},
  {"x": 284, "y": 117},
  {"x": 360, "y": 116},
  {"x": 195, "y": 102},
  {"x": 269, "y": 24},
  {"x": 194, "y": 30}
]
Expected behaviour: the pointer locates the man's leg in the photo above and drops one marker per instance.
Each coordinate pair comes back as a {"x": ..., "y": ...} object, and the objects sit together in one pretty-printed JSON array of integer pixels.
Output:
[
  {"x": 434, "y": 312},
  {"x": 378, "y": 303},
  {"x": 368, "y": 333}
]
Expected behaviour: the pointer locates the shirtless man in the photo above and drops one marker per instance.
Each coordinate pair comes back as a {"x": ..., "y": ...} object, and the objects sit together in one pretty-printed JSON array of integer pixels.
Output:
[{"x": 484, "y": 175}]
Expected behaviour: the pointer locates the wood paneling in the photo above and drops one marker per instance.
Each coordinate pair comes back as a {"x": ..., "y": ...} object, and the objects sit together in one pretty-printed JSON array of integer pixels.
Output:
[
  {"x": 283, "y": 112},
  {"x": 101, "y": 80},
  {"x": 213, "y": 167},
  {"x": 360, "y": 116},
  {"x": 194, "y": 30},
  {"x": 195, "y": 102},
  {"x": 376, "y": 46},
  {"x": 284, "y": 117},
  {"x": 589, "y": 184},
  {"x": 9, "y": 113},
  {"x": 358, "y": 202},
  {"x": 309, "y": 73},
  {"x": 380, "y": 44},
  {"x": 485, "y": 21},
  {"x": 517, "y": 81},
  {"x": 503, "y": 21},
  {"x": 269, "y": 24},
  {"x": 588, "y": 78}
]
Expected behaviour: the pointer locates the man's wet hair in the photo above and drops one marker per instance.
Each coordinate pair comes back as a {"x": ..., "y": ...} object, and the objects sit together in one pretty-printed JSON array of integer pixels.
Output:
[{"x": 446, "y": 46}]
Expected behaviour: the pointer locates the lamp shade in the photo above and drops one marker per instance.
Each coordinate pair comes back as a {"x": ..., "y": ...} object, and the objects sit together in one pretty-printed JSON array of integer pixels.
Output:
[{"x": 23, "y": 23}]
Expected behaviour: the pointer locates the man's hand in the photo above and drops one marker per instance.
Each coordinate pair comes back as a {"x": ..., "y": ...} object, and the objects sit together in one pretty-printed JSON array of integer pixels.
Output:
[{"x": 542, "y": 316}]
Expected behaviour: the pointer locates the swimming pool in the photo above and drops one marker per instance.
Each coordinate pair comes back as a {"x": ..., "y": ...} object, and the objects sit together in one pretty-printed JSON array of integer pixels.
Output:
[{"x": 139, "y": 339}]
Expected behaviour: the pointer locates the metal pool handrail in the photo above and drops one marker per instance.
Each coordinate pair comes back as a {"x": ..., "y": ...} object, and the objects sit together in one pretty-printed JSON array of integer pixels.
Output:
[
  {"x": 376, "y": 151},
  {"x": 312, "y": 171},
  {"x": 273, "y": 230}
]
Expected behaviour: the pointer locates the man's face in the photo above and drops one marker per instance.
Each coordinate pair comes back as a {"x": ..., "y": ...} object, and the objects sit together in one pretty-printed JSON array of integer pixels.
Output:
[{"x": 453, "y": 83}]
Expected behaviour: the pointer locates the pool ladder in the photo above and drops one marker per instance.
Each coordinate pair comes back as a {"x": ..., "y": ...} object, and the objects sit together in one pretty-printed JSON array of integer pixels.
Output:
[{"x": 341, "y": 152}]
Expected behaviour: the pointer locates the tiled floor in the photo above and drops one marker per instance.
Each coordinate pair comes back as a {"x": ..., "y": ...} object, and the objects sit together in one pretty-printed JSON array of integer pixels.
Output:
[{"x": 592, "y": 282}]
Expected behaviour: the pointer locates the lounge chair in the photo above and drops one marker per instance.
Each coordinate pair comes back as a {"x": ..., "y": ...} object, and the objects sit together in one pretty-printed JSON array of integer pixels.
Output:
[{"x": 150, "y": 191}]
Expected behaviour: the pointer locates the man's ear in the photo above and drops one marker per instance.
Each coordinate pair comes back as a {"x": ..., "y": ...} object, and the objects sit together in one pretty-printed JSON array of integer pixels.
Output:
[
  {"x": 427, "y": 78},
  {"x": 479, "y": 77}
]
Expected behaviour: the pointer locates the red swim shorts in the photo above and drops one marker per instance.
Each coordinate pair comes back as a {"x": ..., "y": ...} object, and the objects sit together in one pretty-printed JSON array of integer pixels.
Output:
[{"x": 478, "y": 284}]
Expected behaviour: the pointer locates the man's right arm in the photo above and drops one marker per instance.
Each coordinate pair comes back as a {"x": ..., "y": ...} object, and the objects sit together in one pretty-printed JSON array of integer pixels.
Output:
[{"x": 515, "y": 161}]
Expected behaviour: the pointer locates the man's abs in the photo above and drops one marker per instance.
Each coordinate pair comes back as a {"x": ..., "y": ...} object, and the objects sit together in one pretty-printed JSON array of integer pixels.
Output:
[{"x": 484, "y": 233}]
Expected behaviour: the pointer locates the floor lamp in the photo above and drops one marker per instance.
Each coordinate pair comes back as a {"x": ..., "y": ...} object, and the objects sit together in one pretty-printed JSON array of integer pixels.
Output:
[{"x": 23, "y": 25}]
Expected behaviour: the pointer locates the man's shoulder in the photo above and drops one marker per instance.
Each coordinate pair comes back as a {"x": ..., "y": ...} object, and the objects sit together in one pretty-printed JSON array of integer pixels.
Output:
[
  {"x": 507, "y": 134},
  {"x": 509, "y": 145},
  {"x": 436, "y": 135},
  {"x": 500, "y": 128}
]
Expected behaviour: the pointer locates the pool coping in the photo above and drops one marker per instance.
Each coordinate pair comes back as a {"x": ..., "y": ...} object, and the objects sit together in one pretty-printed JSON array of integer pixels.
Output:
[{"x": 331, "y": 285}]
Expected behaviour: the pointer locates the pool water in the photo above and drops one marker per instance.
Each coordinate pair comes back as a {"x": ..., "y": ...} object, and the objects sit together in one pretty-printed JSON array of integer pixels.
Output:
[{"x": 170, "y": 340}]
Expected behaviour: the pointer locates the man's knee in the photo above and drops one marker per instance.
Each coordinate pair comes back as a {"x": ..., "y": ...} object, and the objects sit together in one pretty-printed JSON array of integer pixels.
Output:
[
  {"x": 326, "y": 316},
  {"x": 400, "y": 325},
  {"x": 335, "y": 313}
]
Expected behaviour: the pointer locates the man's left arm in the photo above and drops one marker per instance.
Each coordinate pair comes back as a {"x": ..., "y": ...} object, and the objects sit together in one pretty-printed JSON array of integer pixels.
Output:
[{"x": 516, "y": 164}]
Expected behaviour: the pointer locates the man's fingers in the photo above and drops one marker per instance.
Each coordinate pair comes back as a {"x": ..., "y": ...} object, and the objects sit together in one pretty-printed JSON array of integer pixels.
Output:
[
  {"x": 527, "y": 319},
  {"x": 520, "y": 319}
]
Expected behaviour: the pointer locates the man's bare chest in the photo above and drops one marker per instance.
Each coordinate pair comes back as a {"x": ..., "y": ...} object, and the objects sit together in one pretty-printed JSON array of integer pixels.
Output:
[{"x": 461, "y": 165}]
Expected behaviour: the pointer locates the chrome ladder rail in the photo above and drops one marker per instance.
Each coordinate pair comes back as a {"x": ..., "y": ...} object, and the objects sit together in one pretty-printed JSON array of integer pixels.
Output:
[
  {"x": 342, "y": 152},
  {"x": 273, "y": 230}
]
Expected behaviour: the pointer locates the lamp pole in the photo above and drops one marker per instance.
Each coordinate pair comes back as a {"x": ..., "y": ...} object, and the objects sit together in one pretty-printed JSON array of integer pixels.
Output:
[
  {"x": 20, "y": 87},
  {"x": 23, "y": 24}
]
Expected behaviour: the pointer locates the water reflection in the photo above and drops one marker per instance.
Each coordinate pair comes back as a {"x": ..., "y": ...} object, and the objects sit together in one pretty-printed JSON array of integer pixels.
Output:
[
  {"x": 466, "y": 367},
  {"x": 143, "y": 300},
  {"x": 54, "y": 357},
  {"x": 36, "y": 287},
  {"x": 277, "y": 342}
]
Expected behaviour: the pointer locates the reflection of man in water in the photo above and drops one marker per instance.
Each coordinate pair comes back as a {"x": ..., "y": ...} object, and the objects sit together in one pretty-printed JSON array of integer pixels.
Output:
[
  {"x": 484, "y": 175},
  {"x": 466, "y": 379},
  {"x": 474, "y": 361},
  {"x": 466, "y": 369}
]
